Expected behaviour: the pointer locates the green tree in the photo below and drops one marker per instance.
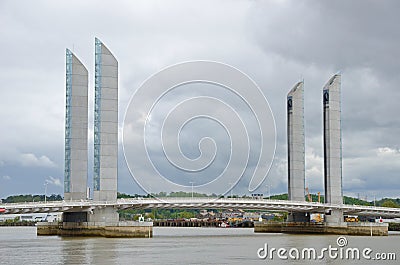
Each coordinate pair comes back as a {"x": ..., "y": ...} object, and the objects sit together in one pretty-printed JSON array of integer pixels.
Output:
[
  {"x": 283, "y": 196},
  {"x": 186, "y": 215},
  {"x": 390, "y": 203}
]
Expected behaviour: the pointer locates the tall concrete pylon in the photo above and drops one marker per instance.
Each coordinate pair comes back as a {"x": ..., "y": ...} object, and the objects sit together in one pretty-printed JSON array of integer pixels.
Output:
[
  {"x": 105, "y": 124},
  {"x": 333, "y": 147},
  {"x": 76, "y": 129},
  {"x": 296, "y": 149},
  {"x": 94, "y": 221}
]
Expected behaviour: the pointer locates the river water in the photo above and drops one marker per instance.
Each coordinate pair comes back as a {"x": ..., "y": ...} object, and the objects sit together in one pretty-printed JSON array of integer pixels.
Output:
[{"x": 20, "y": 245}]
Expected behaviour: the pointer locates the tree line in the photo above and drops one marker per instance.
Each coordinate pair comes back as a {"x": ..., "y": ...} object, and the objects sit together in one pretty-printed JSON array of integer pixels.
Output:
[{"x": 31, "y": 198}]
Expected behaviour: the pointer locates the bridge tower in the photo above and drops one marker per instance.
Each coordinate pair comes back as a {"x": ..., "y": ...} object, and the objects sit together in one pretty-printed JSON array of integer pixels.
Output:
[
  {"x": 333, "y": 147},
  {"x": 105, "y": 172},
  {"x": 105, "y": 135},
  {"x": 296, "y": 149},
  {"x": 101, "y": 217},
  {"x": 76, "y": 128}
]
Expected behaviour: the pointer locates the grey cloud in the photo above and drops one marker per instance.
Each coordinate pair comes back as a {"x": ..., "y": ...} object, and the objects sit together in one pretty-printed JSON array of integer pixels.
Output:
[
  {"x": 54, "y": 181},
  {"x": 31, "y": 160},
  {"x": 339, "y": 34}
]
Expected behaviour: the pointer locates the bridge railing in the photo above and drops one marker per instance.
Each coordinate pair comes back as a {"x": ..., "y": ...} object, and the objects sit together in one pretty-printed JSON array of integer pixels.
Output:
[{"x": 197, "y": 201}]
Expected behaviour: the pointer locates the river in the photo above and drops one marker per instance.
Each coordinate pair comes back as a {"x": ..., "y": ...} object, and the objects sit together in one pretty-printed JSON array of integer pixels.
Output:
[{"x": 20, "y": 245}]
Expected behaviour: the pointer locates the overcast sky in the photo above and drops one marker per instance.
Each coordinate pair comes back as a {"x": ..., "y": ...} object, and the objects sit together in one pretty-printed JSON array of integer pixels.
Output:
[{"x": 276, "y": 43}]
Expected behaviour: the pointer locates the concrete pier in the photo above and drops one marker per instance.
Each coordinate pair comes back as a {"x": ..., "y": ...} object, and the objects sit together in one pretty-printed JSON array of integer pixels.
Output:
[
  {"x": 97, "y": 222},
  {"x": 129, "y": 229},
  {"x": 354, "y": 229}
]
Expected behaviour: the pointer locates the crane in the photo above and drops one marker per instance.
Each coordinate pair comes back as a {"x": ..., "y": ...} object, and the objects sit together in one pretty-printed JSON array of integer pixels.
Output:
[{"x": 308, "y": 195}]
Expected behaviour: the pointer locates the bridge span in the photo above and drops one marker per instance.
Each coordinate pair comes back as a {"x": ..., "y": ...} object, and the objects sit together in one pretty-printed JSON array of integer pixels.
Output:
[{"x": 198, "y": 203}]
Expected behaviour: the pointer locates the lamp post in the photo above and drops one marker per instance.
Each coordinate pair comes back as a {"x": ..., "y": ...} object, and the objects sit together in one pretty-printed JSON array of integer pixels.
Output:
[
  {"x": 192, "y": 188},
  {"x": 45, "y": 191},
  {"x": 150, "y": 191},
  {"x": 269, "y": 191}
]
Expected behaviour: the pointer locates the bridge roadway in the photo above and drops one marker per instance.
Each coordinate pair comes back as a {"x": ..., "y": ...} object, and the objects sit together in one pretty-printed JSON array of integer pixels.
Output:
[{"x": 197, "y": 203}]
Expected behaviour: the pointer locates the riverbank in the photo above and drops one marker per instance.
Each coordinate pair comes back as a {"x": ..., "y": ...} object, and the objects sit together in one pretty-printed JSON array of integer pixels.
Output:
[
  {"x": 19, "y": 223},
  {"x": 181, "y": 223},
  {"x": 394, "y": 226},
  {"x": 202, "y": 223}
]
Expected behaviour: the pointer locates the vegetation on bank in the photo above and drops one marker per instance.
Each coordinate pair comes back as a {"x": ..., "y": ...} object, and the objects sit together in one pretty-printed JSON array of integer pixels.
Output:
[
  {"x": 394, "y": 227},
  {"x": 133, "y": 214},
  {"x": 385, "y": 202},
  {"x": 17, "y": 222},
  {"x": 31, "y": 198}
]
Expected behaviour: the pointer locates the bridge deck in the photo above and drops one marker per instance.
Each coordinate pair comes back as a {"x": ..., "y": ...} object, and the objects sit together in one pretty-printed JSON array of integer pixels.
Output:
[{"x": 197, "y": 203}]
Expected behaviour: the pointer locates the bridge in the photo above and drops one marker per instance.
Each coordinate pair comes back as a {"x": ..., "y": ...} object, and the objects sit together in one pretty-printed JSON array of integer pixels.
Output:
[
  {"x": 100, "y": 217},
  {"x": 198, "y": 203}
]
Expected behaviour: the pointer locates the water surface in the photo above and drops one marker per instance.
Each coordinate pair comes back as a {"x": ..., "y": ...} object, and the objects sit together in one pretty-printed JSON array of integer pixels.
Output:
[{"x": 20, "y": 245}]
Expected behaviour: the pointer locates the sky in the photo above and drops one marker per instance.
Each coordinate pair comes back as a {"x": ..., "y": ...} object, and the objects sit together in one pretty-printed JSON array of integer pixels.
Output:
[{"x": 276, "y": 43}]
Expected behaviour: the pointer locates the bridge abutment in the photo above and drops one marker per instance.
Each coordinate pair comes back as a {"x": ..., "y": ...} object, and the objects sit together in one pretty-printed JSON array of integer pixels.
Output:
[
  {"x": 107, "y": 215},
  {"x": 120, "y": 229},
  {"x": 354, "y": 229},
  {"x": 334, "y": 217},
  {"x": 298, "y": 217},
  {"x": 99, "y": 222}
]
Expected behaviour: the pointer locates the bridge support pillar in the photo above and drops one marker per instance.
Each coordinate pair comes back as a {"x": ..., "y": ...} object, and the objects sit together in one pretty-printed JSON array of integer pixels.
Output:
[
  {"x": 298, "y": 217},
  {"x": 334, "y": 217},
  {"x": 107, "y": 215}
]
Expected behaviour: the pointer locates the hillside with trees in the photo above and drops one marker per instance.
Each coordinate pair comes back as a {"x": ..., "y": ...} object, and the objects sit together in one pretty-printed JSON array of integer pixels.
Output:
[{"x": 31, "y": 198}]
